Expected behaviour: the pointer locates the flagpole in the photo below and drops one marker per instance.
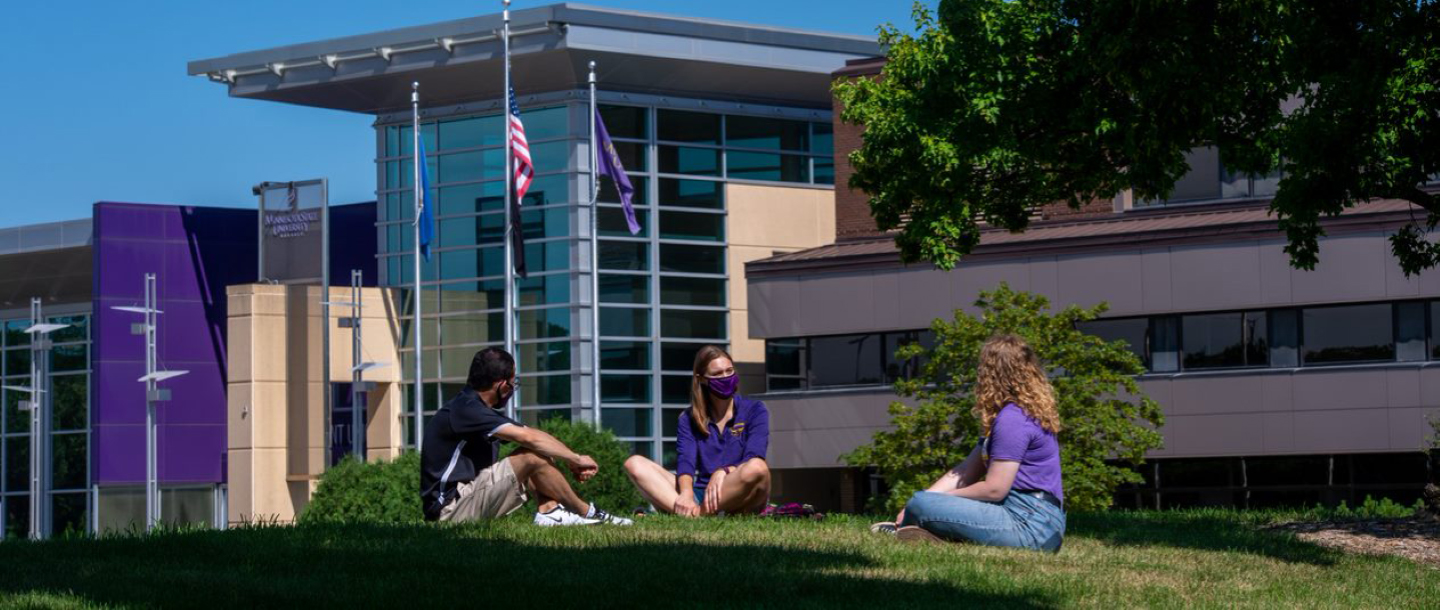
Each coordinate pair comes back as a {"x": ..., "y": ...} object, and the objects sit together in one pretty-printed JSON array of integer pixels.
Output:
[
  {"x": 509, "y": 229},
  {"x": 594, "y": 256},
  {"x": 417, "y": 328}
]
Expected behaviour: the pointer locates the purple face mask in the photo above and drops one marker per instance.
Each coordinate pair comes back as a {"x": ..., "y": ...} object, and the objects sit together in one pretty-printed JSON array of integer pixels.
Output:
[{"x": 724, "y": 387}]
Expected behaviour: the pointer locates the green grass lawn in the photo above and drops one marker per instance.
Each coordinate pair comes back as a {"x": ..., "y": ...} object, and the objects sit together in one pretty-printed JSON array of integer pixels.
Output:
[{"x": 1112, "y": 560}]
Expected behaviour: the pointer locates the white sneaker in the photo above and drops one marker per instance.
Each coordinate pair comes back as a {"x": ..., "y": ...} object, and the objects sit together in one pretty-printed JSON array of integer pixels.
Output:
[
  {"x": 605, "y": 517},
  {"x": 559, "y": 516}
]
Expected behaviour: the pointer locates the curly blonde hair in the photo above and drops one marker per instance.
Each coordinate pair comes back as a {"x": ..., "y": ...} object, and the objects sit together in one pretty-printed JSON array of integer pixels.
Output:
[{"x": 1010, "y": 372}]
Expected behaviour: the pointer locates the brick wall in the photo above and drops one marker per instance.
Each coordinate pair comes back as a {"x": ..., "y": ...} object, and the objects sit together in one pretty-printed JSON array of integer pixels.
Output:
[
  {"x": 1062, "y": 211},
  {"x": 852, "y": 207}
]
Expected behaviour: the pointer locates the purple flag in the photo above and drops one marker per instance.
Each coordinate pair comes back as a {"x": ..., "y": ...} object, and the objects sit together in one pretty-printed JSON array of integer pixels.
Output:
[{"x": 610, "y": 166}]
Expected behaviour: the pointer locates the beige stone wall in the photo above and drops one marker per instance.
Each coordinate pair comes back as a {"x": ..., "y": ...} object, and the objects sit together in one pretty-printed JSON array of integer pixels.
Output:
[
  {"x": 764, "y": 221},
  {"x": 276, "y": 407}
]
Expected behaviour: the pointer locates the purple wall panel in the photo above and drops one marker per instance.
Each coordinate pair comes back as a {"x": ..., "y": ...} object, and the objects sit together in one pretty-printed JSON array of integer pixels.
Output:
[{"x": 196, "y": 253}]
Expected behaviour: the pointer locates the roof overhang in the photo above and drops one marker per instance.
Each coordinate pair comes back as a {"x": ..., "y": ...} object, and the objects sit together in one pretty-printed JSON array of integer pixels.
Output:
[{"x": 551, "y": 47}]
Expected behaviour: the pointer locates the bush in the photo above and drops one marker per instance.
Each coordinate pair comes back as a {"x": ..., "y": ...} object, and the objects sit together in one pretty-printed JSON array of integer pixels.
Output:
[
  {"x": 1107, "y": 423},
  {"x": 389, "y": 492},
  {"x": 610, "y": 489},
  {"x": 369, "y": 492}
]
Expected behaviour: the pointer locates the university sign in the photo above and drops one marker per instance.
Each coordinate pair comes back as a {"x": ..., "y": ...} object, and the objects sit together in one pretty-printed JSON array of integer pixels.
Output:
[{"x": 293, "y": 230}]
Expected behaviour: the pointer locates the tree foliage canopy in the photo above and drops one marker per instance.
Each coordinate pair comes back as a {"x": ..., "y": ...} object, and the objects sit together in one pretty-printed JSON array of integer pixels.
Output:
[
  {"x": 995, "y": 107},
  {"x": 1106, "y": 421}
]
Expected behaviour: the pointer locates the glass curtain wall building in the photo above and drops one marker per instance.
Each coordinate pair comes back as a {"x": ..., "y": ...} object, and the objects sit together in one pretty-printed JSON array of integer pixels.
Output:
[
  {"x": 663, "y": 292},
  {"x": 69, "y": 385}
]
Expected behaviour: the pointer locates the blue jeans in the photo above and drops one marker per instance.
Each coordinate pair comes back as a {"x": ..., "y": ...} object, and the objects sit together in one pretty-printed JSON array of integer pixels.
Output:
[{"x": 1020, "y": 520}]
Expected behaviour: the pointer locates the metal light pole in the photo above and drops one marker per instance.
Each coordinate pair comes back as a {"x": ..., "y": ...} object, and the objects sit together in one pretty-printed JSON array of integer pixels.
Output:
[
  {"x": 594, "y": 257},
  {"x": 153, "y": 395},
  {"x": 358, "y": 366},
  {"x": 39, "y": 420}
]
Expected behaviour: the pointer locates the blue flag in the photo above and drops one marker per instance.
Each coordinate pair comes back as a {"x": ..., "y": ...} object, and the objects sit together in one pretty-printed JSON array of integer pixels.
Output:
[
  {"x": 427, "y": 207},
  {"x": 610, "y": 166}
]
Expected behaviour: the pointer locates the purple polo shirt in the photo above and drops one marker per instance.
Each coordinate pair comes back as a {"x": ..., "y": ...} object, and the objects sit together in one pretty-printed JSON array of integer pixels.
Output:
[
  {"x": 745, "y": 436},
  {"x": 1016, "y": 437}
]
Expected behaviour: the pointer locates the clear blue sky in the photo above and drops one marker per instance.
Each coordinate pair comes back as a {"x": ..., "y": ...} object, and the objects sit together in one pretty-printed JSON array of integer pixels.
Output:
[{"x": 97, "y": 104}]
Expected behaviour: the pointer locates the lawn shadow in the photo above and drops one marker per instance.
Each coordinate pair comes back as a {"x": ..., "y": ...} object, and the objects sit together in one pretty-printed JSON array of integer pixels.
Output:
[
  {"x": 1195, "y": 530},
  {"x": 378, "y": 566}
]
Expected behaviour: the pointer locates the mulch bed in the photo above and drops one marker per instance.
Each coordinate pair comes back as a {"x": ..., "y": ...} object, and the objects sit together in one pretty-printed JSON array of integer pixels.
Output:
[{"x": 1414, "y": 538}]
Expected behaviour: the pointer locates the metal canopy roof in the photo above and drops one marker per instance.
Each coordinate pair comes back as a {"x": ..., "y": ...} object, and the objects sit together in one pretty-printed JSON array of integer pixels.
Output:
[{"x": 459, "y": 60}]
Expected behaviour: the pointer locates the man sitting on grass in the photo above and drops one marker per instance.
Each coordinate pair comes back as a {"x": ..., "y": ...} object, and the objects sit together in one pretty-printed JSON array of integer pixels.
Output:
[{"x": 460, "y": 477}]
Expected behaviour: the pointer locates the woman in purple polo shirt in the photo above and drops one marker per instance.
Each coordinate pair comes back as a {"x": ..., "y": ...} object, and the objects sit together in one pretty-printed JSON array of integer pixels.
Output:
[
  {"x": 721, "y": 441},
  {"x": 1008, "y": 492}
]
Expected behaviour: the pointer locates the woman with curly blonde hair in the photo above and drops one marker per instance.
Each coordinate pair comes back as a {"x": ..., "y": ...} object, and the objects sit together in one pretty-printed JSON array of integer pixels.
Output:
[{"x": 1008, "y": 492}]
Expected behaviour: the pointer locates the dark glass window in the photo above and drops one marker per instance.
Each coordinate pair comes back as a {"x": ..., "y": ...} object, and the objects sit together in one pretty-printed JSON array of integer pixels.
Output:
[
  {"x": 625, "y": 255},
  {"x": 1352, "y": 333},
  {"x": 679, "y": 356},
  {"x": 698, "y": 226},
  {"x": 542, "y": 123},
  {"x": 824, "y": 170},
  {"x": 545, "y": 390},
  {"x": 757, "y": 132},
  {"x": 608, "y": 194},
  {"x": 469, "y": 198},
  {"x": 896, "y": 368},
  {"x": 669, "y": 421},
  {"x": 544, "y": 323},
  {"x": 547, "y": 190},
  {"x": 823, "y": 141},
  {"x": 17, "y": 362},
  {"x": 692, "y": 291},
  {"x": 19, "y": 421},
  {"x": 1435, "y": 330},
  {"x": 1285, "y": 338},
  {"x": 632, "y": 157},
  {"x": 543, "y": 356},
  {"x": 689, "y": 127},
  {"x": 68, "y": 358},
  {"x": 846, "y": 360},
  {"x": 15, "y": 333},
  {"x": 626, "y": 389},
  {"x": 17, "y": 517},
  {"x": 551, "y": 156},
  {"x": 1410, "y": 331},
  {"x": 623, "y": 422},
  {"x": 1212, "y": 340},
  {"x": 1134, "y": 332},
  {"x": 74, "y": 330},
  {"x": 472, "y": 132},
  {"x": 467, "y": 166},
  {"x": 785, "y": 364},
  {"x": 613, "y": 223},
  {"x": 624, "y": 355},
  {"x": 677, "y": 192},
  {"x": 69, "y": 396},
  {"x": 1225, "y": 340},
  {"x": 625, "y": 289},
  {"x": 543, "y": 290},
  {"x": 1165, "y": 344},
  {"x": 625, "y": 121},
  {"x": 670, "y": 456},
  {"x": 685, "y": 160},
  {"x": 692, "y": 259},
  {"x": 624, "y": 322},
  {"x": 472, "y": 296},
  {"x": 69, "y": 462},
  {"x": 747, "y": 165},
  {"x": 547, "y": 256},
  {"x": 17, "y": 451},
  {"x": 685, "y": 324},
  {"x": 675, "y": 389}
]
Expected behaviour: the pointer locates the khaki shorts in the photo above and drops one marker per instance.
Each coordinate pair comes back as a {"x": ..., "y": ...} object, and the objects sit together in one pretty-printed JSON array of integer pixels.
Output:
[{"x": 495, "y": 492}]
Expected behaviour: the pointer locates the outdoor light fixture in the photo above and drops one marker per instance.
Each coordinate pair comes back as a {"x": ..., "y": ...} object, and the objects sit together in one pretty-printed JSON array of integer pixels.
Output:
[
  {"x": 39, "y": 420},
  {"x": 278, "y": 68},
  {"x": 330, "y": 60},
  {"x": 153, "y": 394}
]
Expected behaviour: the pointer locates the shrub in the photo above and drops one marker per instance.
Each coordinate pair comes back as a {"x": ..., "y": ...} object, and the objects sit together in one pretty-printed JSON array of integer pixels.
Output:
[
  {"x": 609, "y": 489},
  {"x": 369, "y": 492},
  {"x": 1104, "y": 415}
]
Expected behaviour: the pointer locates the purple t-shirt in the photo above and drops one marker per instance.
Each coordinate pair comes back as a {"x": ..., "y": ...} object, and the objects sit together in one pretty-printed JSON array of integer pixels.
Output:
[
  {"x": 745, "y": 436},
  {"x": 1016, "y": 437}
]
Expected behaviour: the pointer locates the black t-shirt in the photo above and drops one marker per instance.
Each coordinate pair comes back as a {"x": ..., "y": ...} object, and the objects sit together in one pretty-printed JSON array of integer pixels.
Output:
[{"x": 459, "y": 443}]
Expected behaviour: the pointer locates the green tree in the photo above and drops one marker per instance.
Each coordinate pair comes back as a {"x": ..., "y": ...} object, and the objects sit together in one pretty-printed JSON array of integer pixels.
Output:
[
  {"x": 1107, "y": 423},
  {"x": 995, "y": 107}
]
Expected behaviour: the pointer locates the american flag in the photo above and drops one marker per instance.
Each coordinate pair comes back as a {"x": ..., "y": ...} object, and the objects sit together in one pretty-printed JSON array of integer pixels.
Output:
[{"x": 524, "y": 171}]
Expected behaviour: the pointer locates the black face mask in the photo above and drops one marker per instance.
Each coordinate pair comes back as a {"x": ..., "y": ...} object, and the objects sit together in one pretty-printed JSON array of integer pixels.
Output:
[{"x": 503, "y": 398}]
